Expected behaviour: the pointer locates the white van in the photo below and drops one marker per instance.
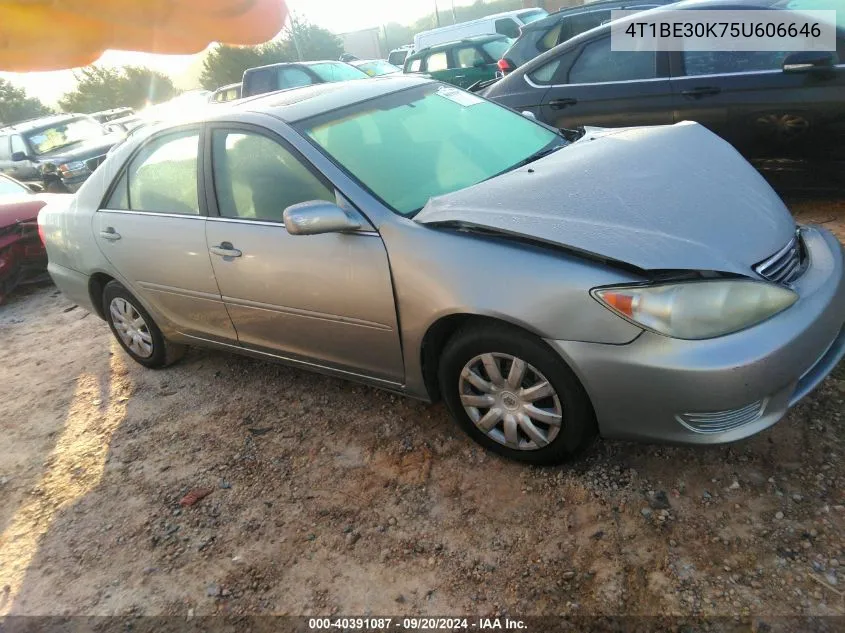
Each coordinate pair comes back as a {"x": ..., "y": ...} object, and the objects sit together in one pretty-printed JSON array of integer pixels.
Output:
[{"x": 507, "y": 23}]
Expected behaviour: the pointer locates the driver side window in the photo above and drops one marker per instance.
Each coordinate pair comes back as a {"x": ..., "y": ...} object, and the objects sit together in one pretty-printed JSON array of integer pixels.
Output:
[{"x": 257, "y": 178}]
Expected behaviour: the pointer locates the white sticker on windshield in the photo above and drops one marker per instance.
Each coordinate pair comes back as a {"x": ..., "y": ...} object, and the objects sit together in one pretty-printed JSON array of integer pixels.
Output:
[{"x": 460, "y": 97}]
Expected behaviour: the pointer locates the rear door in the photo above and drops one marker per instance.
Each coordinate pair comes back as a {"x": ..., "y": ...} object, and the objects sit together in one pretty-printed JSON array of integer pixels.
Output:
[
  {"x": 318, "y": 299},
  {"x": 593, "y": 85},
  {"x": 152, "y": 229},
  {"x": 749, "y": 100}
]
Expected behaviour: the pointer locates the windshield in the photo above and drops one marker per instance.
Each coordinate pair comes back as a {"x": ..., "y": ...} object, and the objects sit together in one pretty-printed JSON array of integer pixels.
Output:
[
  {"x": 378, "y": 67},
  {"x": 532, "y": 16},
  {"x": 50, "y": 139},
  {"x": 336, "y": 71},
  {"x": 409, "y": 146},
  {"x": 11, "y": 188}
]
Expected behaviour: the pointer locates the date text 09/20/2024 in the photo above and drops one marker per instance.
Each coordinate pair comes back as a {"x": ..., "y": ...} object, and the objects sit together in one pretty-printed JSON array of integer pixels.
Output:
[{"x": 415, "y": 624}]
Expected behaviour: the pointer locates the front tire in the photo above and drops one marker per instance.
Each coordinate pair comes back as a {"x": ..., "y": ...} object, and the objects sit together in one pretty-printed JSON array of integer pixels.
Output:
[
  {"x": 135, "y": 329},
  {"x": 515, "y": 396}
]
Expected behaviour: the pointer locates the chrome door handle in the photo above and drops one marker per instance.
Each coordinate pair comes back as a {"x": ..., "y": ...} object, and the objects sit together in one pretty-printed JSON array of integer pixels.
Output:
[
  {"x": 109, "y": 233},
  {"x": 225, "y": 249}
]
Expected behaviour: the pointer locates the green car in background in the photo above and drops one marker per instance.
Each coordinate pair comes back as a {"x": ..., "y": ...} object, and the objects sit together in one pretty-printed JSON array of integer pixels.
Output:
[{"x": 463, "y": 62}]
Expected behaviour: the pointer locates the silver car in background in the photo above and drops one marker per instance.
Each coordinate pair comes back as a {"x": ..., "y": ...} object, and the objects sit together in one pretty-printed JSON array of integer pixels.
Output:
[{"x": 643, "y": 283}]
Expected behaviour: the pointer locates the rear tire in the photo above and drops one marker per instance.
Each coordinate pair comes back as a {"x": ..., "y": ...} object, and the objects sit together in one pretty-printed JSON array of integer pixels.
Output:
[
  {"x": 514, "y": 395},
  {"x": 135, "y": 329}
]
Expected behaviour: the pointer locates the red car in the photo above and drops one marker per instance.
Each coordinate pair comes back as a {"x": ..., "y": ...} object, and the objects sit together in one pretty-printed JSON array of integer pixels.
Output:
[{"x": 22, "y": 254}]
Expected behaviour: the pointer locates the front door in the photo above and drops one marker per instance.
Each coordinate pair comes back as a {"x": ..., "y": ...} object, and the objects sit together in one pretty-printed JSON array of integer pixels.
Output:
[
  {"x": 152, "y": 229},
  {"x": 471, "y": 65},
  {"x": 609, "y": 88},
  {"x": 320, "y": 299}
]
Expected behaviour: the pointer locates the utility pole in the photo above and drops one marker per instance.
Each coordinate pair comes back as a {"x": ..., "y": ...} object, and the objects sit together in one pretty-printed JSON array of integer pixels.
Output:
[
  {"x": 436, "y": 14},
  {"x": 454, "y": 19},
  {"x": 295, "y": 39}
]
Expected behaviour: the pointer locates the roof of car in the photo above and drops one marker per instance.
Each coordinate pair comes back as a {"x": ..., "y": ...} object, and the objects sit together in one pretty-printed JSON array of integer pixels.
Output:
[
  {"x": 32, "y": 124},
  {"x": 475, "y": 39},
  {"x": 308, "y": 63},
  {"x": 296, "y": 104},
  {"x": 561, "y": 14}
]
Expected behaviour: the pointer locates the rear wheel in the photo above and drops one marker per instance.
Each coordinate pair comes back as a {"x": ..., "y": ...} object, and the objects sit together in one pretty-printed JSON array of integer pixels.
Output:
[
  {"x": 135, "y": 329},
  {"x": 514, "y": 395}
]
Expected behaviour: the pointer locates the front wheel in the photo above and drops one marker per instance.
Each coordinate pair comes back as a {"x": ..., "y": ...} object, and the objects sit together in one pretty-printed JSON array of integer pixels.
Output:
[
  {"x": 515, "y": 396},
  {"x": 135, "y": 329}
]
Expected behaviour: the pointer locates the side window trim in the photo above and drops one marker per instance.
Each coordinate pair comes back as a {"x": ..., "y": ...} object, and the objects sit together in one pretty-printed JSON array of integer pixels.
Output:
[
  {"x": 207, "y": 162},
  {"x": 119, "y": 175}
]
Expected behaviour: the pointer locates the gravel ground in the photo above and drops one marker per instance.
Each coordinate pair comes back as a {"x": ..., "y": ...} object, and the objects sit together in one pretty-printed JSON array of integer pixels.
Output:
[{"x": 325, "y": 497}]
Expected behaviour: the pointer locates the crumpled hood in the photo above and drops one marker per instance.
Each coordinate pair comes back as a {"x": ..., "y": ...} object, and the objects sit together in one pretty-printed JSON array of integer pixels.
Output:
[{"x": 668, "y": 197}]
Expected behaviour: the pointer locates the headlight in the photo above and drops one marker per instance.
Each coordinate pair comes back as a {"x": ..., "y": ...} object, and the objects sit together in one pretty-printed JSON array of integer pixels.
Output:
[
  {"x": 70, "y": 167},
  {"x": 697, "y": 310}
]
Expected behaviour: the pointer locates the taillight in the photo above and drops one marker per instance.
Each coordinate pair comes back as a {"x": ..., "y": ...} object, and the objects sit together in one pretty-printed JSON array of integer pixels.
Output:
[
  {"x": 41, "y": 233},
  {"x": 504, "y": 65}
]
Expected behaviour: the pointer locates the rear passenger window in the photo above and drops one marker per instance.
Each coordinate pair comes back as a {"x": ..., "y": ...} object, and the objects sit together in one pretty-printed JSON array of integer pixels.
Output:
[
  {"x": 260, "y": 81},
  {"x": 550, "y": 39},
  {"x": 436, "y": 61},
  {"x": 467, "y": 57},
  {"x": 597, "y": 63},
  {"x": 257, "y": 178},
  {"x": 294, "y": 78},
  {"x": 162, "y": 178},
  {"x": 507, "y": 26},
  {"x": 414, "y": 66}
]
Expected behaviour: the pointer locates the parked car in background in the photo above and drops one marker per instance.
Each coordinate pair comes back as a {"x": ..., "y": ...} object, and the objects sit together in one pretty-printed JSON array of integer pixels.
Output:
[
  {"x": 462, "y": 63},
  {"x": 642, "y": 283},
  {"x": 125, "y": 124},
  {"x": 375, "y": 67},
  {"x": 507, "y": 24},
  {"x": 22, "y": 255},
  {"x": 398, "y": 55},
  {"x": 53, "y": 150},
  {"x": 766, "y": 104},
  {"x": 109, "y": 115},
  {"x": 539, "y": 36},
  {"x": 283, "y": 76},
  {"x": 226, "y": 93}
]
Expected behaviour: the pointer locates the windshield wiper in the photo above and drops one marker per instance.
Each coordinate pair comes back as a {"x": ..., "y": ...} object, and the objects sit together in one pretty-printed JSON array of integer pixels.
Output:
[{"x": 545, "y": 151}]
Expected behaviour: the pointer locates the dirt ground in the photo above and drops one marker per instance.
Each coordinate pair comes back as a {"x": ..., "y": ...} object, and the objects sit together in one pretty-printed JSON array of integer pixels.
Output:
[{"x": 332, "y": 498}]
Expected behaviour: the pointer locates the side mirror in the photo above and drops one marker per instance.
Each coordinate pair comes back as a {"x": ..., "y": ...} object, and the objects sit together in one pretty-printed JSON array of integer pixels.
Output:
[
  {"x": 808, "y": 61},
  {"x": 34, "y": 187},
  {"x": 19, "y": 156},
  {"x": 316, "y": 217}
]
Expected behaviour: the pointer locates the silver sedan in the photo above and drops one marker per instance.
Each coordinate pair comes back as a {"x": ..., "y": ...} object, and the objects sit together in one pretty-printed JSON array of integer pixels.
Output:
[{"x": 643, "y": 283}]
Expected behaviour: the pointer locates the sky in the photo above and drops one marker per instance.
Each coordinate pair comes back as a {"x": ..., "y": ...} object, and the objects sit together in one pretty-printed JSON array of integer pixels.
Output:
[{"x": 339, "y": 16}]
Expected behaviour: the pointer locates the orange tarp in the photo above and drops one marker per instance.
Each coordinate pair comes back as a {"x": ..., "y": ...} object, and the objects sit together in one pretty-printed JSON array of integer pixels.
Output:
[{"x": 57, "y": 34}]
